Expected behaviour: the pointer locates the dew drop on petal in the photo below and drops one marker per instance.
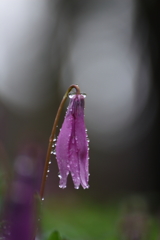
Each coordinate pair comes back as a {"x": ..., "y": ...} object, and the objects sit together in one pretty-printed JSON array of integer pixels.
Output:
[
  {"x": 62, "y": 186},
  {"x": 49, "y": 162},
  {"x": 48, "y": 170},
  {"x": 43, "y": 199},
  {"x": 84, "y": 95},
  {"x": 71, "y": 95}
]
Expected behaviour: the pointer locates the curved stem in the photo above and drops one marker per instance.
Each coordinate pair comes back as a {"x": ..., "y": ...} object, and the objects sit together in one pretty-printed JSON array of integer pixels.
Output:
[{"x": 52, "y": 137}]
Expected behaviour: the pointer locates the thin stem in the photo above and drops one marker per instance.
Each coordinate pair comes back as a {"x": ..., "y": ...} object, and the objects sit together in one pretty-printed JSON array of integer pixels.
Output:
[{"x": 52, "y": 137}]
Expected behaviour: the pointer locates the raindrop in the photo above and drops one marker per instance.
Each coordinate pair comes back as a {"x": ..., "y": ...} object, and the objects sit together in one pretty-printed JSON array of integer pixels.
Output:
[
  {"x": 62, "y": 186},
  {"x": 53, "y": 145},
  {"x": 59, "y": 176},
  {"x": 84, "y": 95},
  {"x": 54, "y": 152},
  {"x": 88, "y": 140},
  {"x": 48, "y": 170},
  {"x": 43, "y": 199},
  {"x": 54, "y": 140},
  {"x": 46, "y": 175},
  {"x": 71, "y": 95},
  {"x": 49, "y": 162},
  {"x": 76, "y": 187}
]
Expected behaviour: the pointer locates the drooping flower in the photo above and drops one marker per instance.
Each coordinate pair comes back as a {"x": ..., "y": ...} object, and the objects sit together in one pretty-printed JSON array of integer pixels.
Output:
[{"x": 72, "y": 145}]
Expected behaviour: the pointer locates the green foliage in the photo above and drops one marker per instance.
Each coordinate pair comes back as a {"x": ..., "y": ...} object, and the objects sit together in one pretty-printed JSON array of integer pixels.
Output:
[
  {"x": 114, "y": 220},
  {"x": 55, "y": 236}
]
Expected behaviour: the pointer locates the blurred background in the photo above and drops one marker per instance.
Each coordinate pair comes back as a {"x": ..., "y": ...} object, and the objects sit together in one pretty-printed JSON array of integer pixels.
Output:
[{"x": 110, "y": 48}]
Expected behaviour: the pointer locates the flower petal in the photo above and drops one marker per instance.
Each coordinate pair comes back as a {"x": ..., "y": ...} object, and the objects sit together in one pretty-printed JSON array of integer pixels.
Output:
[
  {"x": 73, "y": 159},
  {"x": 82, "y": 143},
  {"x": 62, "y": 148}
]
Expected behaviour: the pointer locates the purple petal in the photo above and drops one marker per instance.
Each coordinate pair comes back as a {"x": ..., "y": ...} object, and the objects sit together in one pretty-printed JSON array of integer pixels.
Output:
[
  {"x": 73, "y": 159},
  {"x": 62, "y": 150},
  {"x": 82, "y": 143}
]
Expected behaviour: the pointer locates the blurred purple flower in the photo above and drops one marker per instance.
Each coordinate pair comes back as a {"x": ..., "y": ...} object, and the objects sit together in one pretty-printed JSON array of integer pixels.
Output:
[
  {"x": 20, "y": 212},
  {"x": 72, "y": 145}
]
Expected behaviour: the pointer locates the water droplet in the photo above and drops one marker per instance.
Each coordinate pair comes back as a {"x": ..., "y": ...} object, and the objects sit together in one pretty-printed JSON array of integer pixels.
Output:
[
  {"x": 53, "y": 152},
  {"x": 43, "y": 199},
  {"x": 49, "y": 162},
  {"x": 72, "y": 95},
  {"x": 48, "y": 170},
  {"x": 54, "y": 140},
  {"x": 59, "y": 176},
  {"x": 46, "y": 175},
  {"x": 76, "y": 187},
  {"x": 84, "y": 95},
  {"x": 88, "y": 140},
  {"x": 62, "y": 186}
]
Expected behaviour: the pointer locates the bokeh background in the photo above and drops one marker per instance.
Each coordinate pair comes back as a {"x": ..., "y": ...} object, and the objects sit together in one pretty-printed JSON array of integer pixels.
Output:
[{"x": 110, "y": 48}]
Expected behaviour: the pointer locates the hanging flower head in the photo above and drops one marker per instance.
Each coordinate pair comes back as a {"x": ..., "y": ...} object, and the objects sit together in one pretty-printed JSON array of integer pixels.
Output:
[{"x": 72, "y": 145}]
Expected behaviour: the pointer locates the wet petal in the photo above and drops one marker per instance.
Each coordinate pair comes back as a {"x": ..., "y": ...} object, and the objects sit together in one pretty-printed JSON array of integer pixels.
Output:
[
  {"x": 62, "y": 149},
  {"x": 82, "y": 143},
  {"x": 73, "y": 160}
]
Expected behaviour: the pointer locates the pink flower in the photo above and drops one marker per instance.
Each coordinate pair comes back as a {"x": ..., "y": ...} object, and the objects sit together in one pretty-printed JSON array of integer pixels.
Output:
[{"x": 72, "y": 145}]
